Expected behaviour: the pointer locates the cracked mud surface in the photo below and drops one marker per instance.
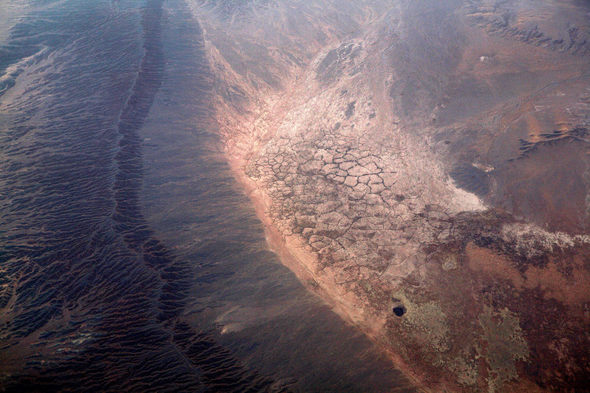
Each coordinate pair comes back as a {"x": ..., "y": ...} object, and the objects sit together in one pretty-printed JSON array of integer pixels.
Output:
[{"x": 424, "y": 155}]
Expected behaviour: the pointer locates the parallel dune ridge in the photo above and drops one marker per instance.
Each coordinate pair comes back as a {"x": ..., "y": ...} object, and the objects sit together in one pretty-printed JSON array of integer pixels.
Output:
[
  {"x": 91, "y": 299},
  {"x": 130, "y": 258}
]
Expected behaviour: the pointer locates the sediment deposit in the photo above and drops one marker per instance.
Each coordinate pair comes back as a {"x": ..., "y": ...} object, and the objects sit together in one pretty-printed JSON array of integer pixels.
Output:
[{"x": 423, "y": 166}]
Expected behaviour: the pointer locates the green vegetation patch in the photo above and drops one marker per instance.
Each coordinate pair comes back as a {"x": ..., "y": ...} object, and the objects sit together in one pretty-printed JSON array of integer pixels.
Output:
[
  {"x": 427, "y": 322},
  {"x": 505, "y": 345},
  {"x": 465, "y": 370}
]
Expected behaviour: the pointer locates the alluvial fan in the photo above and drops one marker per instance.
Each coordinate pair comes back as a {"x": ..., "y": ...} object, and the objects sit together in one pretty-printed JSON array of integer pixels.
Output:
[{"x": 90, "y": 298}]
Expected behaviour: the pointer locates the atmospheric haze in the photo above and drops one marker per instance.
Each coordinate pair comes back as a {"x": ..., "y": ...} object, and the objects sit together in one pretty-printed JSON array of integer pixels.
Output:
[{"x": 295, "y": 196}]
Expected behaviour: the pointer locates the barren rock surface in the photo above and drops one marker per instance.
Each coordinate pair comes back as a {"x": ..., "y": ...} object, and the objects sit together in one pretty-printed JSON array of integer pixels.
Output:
[{"x": 427, "y": 159}]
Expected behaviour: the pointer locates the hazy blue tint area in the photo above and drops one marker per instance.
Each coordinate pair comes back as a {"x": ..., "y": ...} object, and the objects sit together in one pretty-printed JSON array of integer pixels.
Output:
[{"x": 129, "y": 258}]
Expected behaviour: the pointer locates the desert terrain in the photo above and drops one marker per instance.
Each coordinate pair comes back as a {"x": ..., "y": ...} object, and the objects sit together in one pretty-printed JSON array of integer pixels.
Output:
[{"x": 422, "y": 166}]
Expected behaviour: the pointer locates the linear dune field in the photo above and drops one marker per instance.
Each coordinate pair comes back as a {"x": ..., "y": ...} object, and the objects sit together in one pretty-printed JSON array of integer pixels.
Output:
[{"x": 304, "y": 196}]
